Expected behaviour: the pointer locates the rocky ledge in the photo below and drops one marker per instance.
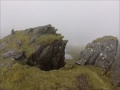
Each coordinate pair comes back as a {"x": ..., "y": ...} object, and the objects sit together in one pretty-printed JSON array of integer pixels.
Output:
[{"x": 40, "y": 46}]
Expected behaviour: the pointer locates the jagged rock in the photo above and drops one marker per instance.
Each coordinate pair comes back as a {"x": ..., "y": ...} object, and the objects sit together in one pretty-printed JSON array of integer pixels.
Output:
[
  {"x": 12, "y": 32},
  {"x": 101, "y": 52},
  {"x": 40, "y": 46},
  {"x": 49, "y": 56},
  {"x": 47, "y": 29}
]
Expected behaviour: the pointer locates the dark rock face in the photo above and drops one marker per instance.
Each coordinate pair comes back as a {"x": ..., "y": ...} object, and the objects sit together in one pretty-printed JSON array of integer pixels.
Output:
[
  {"x": 116, "y": 69},
  {"x": 49, "y": 56},
  {"x": 101, "y": 52},
  {"x": 34, "y": 49}
]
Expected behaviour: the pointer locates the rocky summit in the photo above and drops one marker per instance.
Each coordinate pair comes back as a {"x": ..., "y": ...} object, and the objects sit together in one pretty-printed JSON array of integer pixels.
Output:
[
  {"x": 101, "y": 52},
  {"x": 40, "y": 46}
]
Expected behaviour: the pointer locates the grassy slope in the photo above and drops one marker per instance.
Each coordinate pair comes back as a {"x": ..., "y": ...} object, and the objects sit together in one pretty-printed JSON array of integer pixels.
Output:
[{"x": 19, "y": 77}]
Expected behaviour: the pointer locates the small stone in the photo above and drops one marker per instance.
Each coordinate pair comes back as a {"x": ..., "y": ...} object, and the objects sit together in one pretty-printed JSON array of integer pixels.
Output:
[{"x": 101, "y": 54}]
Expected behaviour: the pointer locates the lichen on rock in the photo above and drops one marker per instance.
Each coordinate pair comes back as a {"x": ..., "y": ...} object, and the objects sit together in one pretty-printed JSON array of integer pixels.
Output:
[{"x": 101, "y": 52}]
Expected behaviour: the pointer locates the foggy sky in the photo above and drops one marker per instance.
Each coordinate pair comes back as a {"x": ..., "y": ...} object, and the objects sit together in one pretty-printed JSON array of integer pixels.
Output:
[{"x": 80, "y": 22}]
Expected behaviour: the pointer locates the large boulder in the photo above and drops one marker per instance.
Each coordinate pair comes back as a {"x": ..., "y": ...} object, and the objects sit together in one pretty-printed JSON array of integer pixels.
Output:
[
  {"x": 101, "y": 52},
  {"x": 40, "y": 46}
]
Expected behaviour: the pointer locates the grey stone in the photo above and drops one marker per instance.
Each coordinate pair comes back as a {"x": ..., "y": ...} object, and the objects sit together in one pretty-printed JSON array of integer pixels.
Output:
[
  {"x": 37, "y": 31},
  {"x": 2, "y": 45},
  {"x": 9, "y": 53},
  {"x": 41, "y": 30},
  {"x": 14, "y": 54},
  {"x": 19, "y": 56},
  {"x": 101, "y": 52}
]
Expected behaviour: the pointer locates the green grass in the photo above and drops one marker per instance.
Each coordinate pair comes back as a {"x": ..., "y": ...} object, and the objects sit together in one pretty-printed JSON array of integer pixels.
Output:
[
  {"x": 70, "y": 77},
  {"x": 99, "y": 39},
  {"x": 47, "y": 38}
]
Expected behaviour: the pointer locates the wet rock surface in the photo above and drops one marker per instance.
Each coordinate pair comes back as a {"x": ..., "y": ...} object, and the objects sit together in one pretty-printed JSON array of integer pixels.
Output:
[
  {"x": 101, "y": 52},
  {"x": 40, "y": 46}
]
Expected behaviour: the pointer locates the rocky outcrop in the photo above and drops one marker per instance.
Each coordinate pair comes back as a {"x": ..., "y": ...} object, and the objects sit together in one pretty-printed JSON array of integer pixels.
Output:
[
  {"x": 101, "y": 52},
  {"x": 40, "y": 46}
]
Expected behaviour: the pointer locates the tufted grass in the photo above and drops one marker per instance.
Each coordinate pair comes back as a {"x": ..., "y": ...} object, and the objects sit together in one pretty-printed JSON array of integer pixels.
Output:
[
  {"x": 47, "y": 38},
  {"x": 99, "y": 39},
  {"x": 70, "y": 77}
]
